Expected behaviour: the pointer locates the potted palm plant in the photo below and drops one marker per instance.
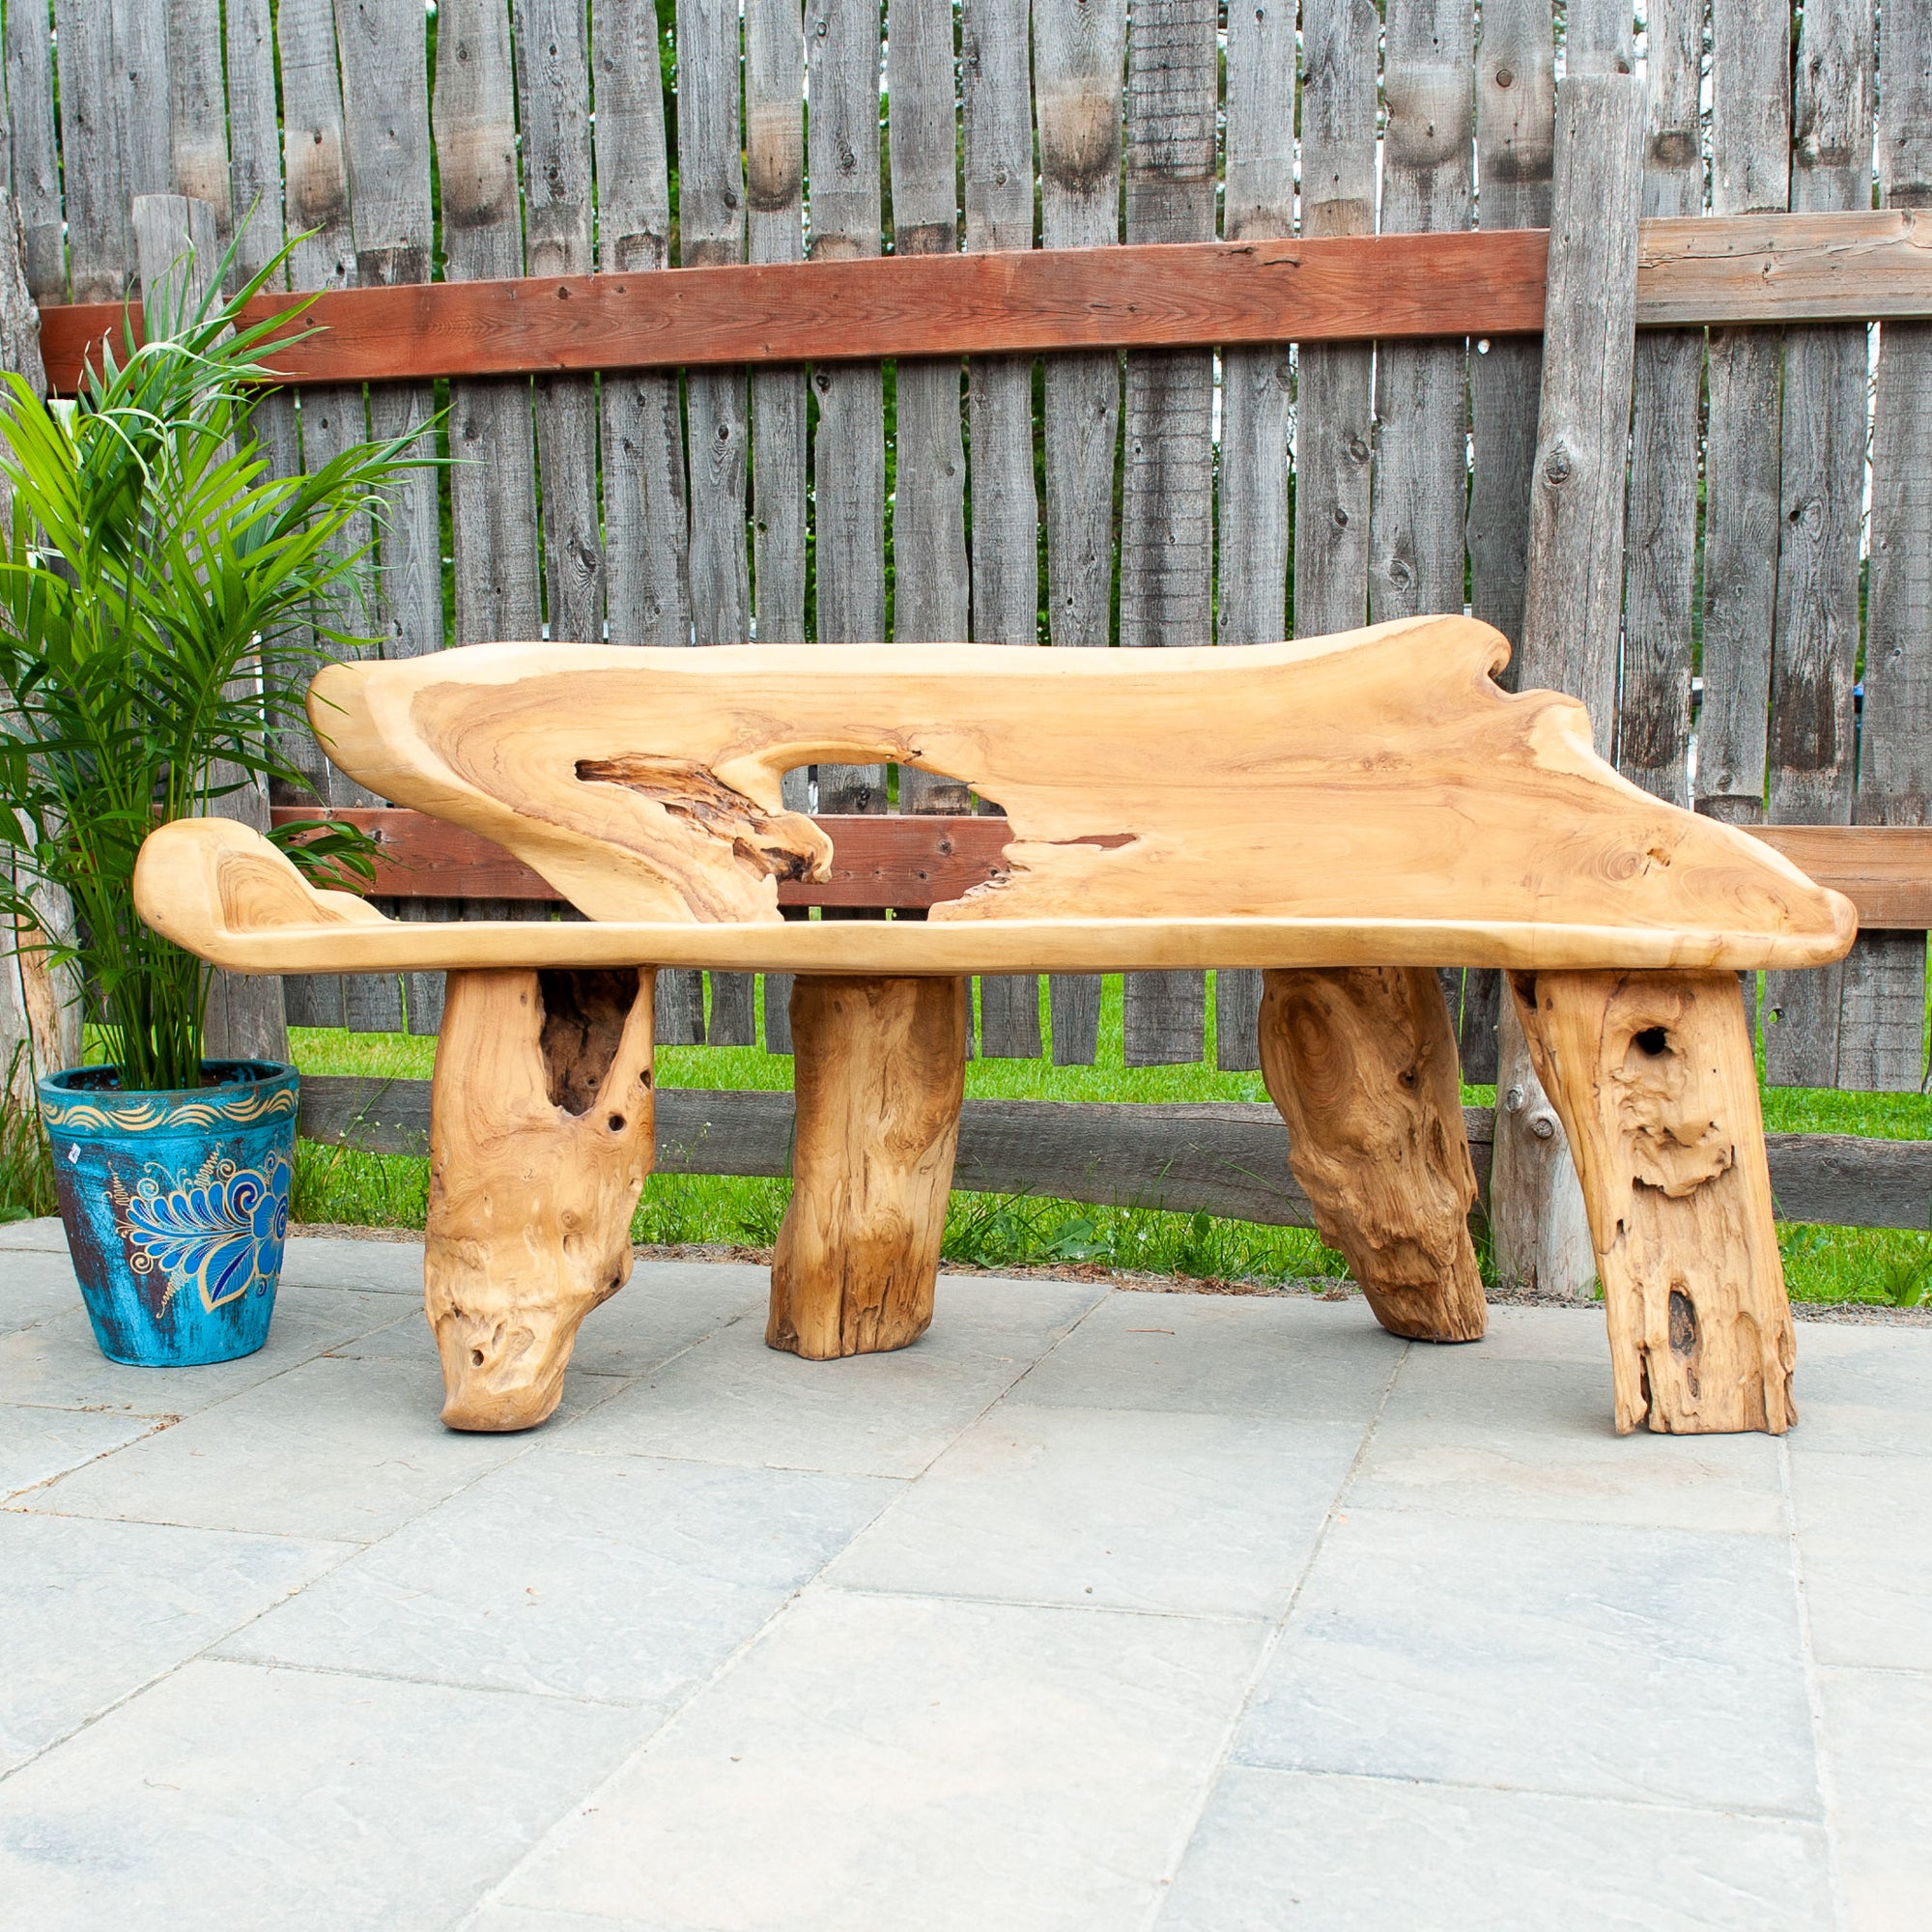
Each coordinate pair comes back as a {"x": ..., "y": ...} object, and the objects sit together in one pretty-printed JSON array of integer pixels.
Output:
[{"x": 162, "y": 596}]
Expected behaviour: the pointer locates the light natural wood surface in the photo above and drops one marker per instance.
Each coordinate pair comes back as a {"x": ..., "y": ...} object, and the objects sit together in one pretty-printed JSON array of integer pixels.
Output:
[
  {"x": 1379, "y": 775},
  {"x": 1363, "y": 1065},
  {"x": 542, "y": 1130},
  {"x": 1654, "y": 1076},
  {"x": 881, "y": 1070}
]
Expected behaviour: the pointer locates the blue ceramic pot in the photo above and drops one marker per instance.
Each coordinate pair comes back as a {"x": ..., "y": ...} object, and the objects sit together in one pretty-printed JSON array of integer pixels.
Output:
[{"x": 176, "y": 1207}]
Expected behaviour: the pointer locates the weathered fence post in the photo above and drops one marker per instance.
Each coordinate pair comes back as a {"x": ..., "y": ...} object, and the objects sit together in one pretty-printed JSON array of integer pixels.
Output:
[{"x": 1573, "y": 603}]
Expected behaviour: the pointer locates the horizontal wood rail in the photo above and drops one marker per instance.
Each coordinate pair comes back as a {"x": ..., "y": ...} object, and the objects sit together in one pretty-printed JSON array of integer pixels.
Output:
[
  {"x": 914, "y": 862},
  {"x": 1710, "y": 270},
  {"x": 1228, "y": 1158}
]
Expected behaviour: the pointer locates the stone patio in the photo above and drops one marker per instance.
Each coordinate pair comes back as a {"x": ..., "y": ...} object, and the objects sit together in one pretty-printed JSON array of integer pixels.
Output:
[{"x": 1098, "y": 1608}]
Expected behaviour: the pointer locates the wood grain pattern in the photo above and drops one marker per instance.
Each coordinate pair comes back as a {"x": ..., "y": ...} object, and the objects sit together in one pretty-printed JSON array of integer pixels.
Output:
[
  {"x": 492, "y": 466},
  {"x": 1167, "y": 481},
  {"x": 1362, "y": 1066},
  {"x": 1751, "y": 147},
  {"x": 1811, "y": 755},
  {"x": 100, "y": 247},
  {"x": 1882, "y": 1026},
  {"x": 1416, "y": 525},
  {"x": 1655, "y": 1078},
  {"x": 1885, "y": 871},
  {"x": 541, "y": 1134},
  {"x": 33, "y": 171},
  {"x": 645, "y": 787},
  {"x": 1734, "y": 274},
  {"x": 647, "y": 587},
  {"x": 881, "y": 1069},
  {"x": 1661, "y": 518},
  {"x": 1079, "y": 56}
]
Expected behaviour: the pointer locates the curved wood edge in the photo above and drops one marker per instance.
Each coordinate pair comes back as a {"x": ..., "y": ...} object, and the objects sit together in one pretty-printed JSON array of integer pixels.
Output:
[{"x": 225, "y": 893}]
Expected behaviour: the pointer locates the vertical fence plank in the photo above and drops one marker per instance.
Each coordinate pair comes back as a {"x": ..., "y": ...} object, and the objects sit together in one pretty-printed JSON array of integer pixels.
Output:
[
  {"x": 32, "y": 166},
  {"x": 849, "y": 456},
  {"x": 647, "y": 599},
  {"x": 1882, "y": 1041},
  {"x": 1812, "y": 751},
  {"x": 1334, "y": 430},
  {"x": 198, "y": 109},
  {"x": 1415, "y": 562},
  {"x": 1257, "y": 403},
  {"x": 553, "y": 77},
  {"x": 997, "y": 89},
  {"x": 711, "y": 229},
  {"x": 774, "y": 192},
  {"x": 1660, "y": 523},
  {"x": 1751, "y": 152},
  {"x": 384, "y": 57},
  {"x": 1079, "y": 53},
  {"x": 1516, "y": 126},
  {"x": 97, "y": 191},
  {"x": 1167, "y": 496},
  {"x": 1572, "y": 600},
  {"x": 492, "y": 465}
]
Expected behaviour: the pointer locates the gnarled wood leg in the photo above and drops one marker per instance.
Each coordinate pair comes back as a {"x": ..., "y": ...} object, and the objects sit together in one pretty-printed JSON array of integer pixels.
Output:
[
  {"x": 1654, "y": 1077},
  {"x": 1361, "y": 1062},
  {"x": 880, "y": 1069},
  {"x": 541, "y": 1133}
]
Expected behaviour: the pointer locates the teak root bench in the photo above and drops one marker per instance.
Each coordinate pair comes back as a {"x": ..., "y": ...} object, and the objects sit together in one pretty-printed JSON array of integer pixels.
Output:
[{"x": 1348, "y": 813}]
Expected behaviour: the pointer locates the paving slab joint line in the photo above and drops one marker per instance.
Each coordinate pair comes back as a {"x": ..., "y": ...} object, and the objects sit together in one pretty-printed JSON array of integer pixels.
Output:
[
  {"x": 423, "y": 1683},
  {"x": 107, "y": 1710},
  {"x": 1186, "y": 1836},
  {"x": 571, "y": 1818},
  {"x": 1821, "y": 1758},
  {"x": 971, "y": 1602}
]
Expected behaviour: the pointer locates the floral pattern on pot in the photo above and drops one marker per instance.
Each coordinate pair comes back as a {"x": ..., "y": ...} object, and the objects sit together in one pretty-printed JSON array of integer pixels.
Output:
[{"x": 220, "y": 1233}]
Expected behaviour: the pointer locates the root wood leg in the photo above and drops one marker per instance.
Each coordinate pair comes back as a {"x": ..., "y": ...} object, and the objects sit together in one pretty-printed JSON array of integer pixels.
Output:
[
  {"x": 541, "y": 1134},
  {"x": 1361, "y": 1062},
  {"x": 880, "y": 1069},
  {"x": 1654, "y": 1077}
]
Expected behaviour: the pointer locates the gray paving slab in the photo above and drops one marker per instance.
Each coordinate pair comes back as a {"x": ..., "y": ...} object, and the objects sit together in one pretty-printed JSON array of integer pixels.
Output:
[
  {"x": 39, "y": 1444},
  {"x": 94, "y": 1610},
  {"x": 1865, "y": 1537},
  {"x": 59, "y": 1364},
  {"x": 1112, "y": 1508},
  {"x": 1863, "y": 1389},
  {"x": 232, "y": 1795},
  {"x": 380, "y": 1267},
  {"x": 965, "y": 1635},
  {"x": 622, "y": 1579},
  {"x": 1469, "y": 1432},
  {"x": 1324, "y": 1854},
  {"x": 1279, "y": 1355},
  {"x": 901, "y": 1761},
  {"x": 344, "y": 1449},
  {"x": 43, "y": 1235},
  {"x": 1878, "y": 1768},
  {"x": 1650, "y": 1666},
  {"x": 660, "y": 1313},
  {"x": 732, "y": 1400},
  {"x": 35, "y": 1287}
]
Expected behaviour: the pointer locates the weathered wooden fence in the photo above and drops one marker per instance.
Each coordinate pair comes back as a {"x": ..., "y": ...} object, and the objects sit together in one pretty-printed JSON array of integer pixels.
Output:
[{"x": 1774, "y": 659}]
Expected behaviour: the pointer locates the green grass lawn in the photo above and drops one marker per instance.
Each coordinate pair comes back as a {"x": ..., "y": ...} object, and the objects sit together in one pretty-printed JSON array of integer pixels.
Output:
[{"x": 343, "y": 1185}]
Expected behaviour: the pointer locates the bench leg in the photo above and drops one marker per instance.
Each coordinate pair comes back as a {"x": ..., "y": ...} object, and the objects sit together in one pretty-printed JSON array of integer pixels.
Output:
[
  {"x": 541, "y": 1133},
  {"x": 1361, "y": 1061},
  {"x": 1653, "y": 1078},
  {"x": 880, "y": 1069}
]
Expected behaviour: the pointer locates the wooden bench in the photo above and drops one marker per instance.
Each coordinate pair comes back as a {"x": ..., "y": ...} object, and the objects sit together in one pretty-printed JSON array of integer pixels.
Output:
[{"x": 1348, "y": 813}]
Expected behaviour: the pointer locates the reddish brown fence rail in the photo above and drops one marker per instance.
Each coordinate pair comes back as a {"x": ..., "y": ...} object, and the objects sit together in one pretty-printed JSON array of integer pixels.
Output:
[{"x": 1758, "y": 269}]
